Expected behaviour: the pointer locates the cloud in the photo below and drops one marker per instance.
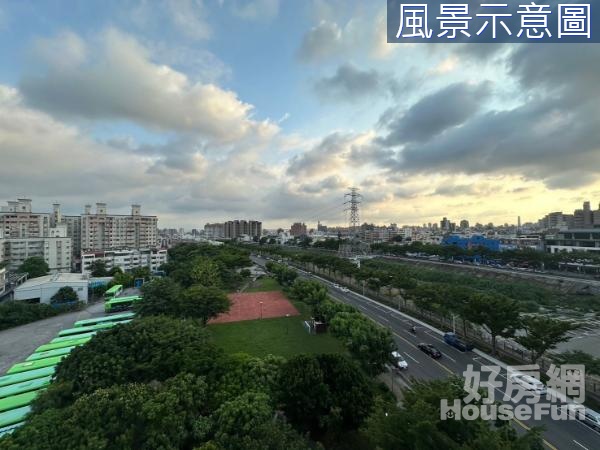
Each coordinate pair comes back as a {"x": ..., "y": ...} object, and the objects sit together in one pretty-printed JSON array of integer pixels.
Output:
[
  {"x": 189, "y": 16},
  {"x": 332, "y": 153},
  {"x": 256, "y": 9},
  {"x": 433, "y": 114},
  {"x": 330, "y": 40},
  {"x": 331, "y": 183},
  {"x": 122, "y": 82},
  {"x": 351, "y": 83}
]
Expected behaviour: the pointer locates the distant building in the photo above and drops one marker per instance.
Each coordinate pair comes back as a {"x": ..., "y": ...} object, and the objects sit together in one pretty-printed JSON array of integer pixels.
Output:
[
  {"x": 42, "y": 289},
  {"x": 2, "y": 280},
  {"x": 464, "y": 224},
  {"x": 298, "y": 229},
  {"x": 236, "y": 228},
  {"x": 474, "y": 241},
  {"x": 103, "y": 231},
  {"x": 126, "y": 259},
  {"x": 214, "y": 230}
]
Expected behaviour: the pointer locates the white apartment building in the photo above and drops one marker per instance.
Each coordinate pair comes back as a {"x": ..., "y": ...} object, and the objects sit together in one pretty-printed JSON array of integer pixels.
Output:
[
  {"x": 102, "y": 231},
  {"x": 55, "y": 249},
  {"x": 126, "y": 259}
]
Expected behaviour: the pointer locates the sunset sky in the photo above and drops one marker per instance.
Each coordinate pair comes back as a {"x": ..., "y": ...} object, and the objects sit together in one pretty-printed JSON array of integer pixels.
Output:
[{"x": 270, "y": 109}]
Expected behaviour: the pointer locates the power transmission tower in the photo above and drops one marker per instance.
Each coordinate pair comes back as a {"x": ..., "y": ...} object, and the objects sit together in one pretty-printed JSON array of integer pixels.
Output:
[
  {"x": 353, "y": 199},
  {"x": 353, "y": 247}
]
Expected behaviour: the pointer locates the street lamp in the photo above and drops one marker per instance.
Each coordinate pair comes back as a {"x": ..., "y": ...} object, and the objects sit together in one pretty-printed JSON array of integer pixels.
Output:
[{"x": 260, "y": 303}]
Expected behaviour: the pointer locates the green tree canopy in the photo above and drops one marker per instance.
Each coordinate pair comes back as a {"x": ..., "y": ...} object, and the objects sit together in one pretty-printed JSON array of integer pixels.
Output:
[
  {"x": 64, "y": 294},
  {"x": 159, "y": 296},
  {"x": 324, "y": 393},
  {"x": 203, "y": 302},
  {"x": 499, "y": 315},
  {"x": 543, "y": 334},
  {"x": 34, "y": 266},
  {"x": 153, "y": 348},
  {"x": 98, "y": 268}
]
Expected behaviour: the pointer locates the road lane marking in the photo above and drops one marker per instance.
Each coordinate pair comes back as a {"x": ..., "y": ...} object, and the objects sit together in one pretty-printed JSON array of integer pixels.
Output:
[
  {"x": 408, "y": 355},
  {"x": 582, "y": 446},
  {"x": 449, "y": 357}
]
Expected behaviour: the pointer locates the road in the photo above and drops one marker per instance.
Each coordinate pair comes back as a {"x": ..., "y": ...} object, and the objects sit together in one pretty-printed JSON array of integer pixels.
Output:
[
  {"x": 19, "y": 342},
  {"x": 557, "y": 435}
]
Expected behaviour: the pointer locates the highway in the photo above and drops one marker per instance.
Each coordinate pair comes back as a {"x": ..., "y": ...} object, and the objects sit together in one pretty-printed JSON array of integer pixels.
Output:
[{"x": 569, "y": 434}]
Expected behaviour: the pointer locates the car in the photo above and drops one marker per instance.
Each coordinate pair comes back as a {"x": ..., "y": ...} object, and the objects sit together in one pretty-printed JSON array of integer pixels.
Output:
[
  {"x": 344, "y": 289},
  {"x": 430, "y": 350},
  {"x": 528, "y": 383},
  {"x": 398, "y": 361},
  {"x": 586, "y": 415},
  {"x": 336, "y": 286},
  {"x": 454, "y": 341}
]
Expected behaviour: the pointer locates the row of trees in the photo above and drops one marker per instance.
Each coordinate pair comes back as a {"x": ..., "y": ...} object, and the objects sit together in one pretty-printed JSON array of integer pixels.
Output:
[
  {"x": 446, "y": 294},
  {"x": 369, "y": 344}
]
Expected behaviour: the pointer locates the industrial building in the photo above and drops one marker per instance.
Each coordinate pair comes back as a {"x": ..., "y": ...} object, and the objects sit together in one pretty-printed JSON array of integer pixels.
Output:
[{"x": 41, "y": 289}]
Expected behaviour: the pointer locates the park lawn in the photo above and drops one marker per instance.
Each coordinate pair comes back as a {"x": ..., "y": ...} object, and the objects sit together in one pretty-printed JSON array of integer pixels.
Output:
[
  {"x": 281, "y": 336},
  {"x": 264, "y": 284}
]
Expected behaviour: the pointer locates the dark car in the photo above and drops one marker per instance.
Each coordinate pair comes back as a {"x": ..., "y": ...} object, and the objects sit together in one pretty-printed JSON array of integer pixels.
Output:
[{"x": 430, "y": 350}]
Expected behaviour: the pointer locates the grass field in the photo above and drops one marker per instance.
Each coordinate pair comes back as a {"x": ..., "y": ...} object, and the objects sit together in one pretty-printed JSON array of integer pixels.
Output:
[
  {"x": 263, "y": 285},
  {"x": 283, "y": 336}
]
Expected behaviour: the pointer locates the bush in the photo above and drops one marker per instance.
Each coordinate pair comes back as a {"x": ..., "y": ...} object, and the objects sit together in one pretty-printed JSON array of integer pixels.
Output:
[{"x": 17, "y": 313}]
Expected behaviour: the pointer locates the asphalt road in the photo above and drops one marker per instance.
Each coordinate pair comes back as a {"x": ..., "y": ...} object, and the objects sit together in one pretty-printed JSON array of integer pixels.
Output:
[{"x": 561, "y": 435}]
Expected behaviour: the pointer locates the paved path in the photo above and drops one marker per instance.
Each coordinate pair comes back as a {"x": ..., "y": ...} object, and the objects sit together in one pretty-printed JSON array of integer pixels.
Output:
[{"x": 18, "y": 343}]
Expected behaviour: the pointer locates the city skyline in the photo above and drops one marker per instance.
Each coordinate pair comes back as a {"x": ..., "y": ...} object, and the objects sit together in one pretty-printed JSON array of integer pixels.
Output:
[{"x": 205, "y": 111}]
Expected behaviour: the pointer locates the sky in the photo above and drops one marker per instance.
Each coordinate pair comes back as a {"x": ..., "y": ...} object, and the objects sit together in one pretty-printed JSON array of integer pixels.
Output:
[{"x": 212, "y": 110}]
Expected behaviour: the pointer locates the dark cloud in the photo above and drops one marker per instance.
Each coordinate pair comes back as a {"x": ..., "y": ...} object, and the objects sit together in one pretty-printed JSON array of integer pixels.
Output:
[
  {"x": 320, "y": 42},
  {"x": 455, "y": 190},
  {"x": 331, "y": 183},
  {"x": 435, "y": 113},
  {"x": 350, "y": 83}
]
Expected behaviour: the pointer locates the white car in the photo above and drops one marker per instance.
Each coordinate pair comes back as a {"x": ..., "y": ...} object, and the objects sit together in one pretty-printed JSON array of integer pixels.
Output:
[
  {"x": 344, "y": 289},
  {"x": 336, "y": 286},
  {"x": 399, "y": 361},
  {"x": 529, "y": 383}
]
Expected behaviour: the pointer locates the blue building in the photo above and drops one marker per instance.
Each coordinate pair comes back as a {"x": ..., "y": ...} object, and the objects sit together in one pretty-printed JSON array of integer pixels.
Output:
[{"x": 472, "y": 242}]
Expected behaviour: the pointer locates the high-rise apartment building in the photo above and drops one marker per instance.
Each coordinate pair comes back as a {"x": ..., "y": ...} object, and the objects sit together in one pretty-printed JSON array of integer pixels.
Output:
[
  {"x": 237, "y": 228},
  {"x": 214, "y": 230},
  {"x": 18, "y": 221},
  {"x": 298, "y": 229},
  {"x": 103, "y": 231}
]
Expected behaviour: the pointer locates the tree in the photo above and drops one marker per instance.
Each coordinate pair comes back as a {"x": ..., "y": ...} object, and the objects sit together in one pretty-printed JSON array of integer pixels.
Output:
[
  {"x": 98, "y": 268},
  {"x": 206, "y": 272},
  {"x": 417, "y": 425},
  {"x": 64, "y": 295},
  {"x": 499, "y": 315},
  {"x": 167, "y": 415},
  {"x": 324, "y": 393},
  {"x": 203, "y": 303},
  {"x": 115, "y": 270},
  {"x": 123, "y": 278},
  {"x": 543, "y": 334},
  {"x": 152, "y": 348},
  {"x": 160, "y": 296},
  {"x": 34, "y": 266},
  {"x": 308, "y": 291}
]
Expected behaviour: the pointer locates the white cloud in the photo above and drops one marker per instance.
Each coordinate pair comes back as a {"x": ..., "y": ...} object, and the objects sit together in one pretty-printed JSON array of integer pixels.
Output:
[{"x": 122, "y": 81}]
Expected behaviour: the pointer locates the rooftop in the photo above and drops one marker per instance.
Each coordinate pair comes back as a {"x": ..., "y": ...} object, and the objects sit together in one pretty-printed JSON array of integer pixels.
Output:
[{"x": 56, "y": 278}]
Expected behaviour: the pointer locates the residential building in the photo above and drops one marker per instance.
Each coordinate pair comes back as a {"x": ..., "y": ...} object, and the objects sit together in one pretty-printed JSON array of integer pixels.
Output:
[
  {"x": 18, "y": 221},
  {"x": 73, "y": 224},
  {"x": 214, "y": 230},
  {"x": 126, "y": 259},
  {"x": 103, "y": 231},
  {"x": 298, "y": 229},
  {"x": 236, "y": 228},
  {"x": 55, "y": 249},
  {"x": 41, "y": 289}
]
